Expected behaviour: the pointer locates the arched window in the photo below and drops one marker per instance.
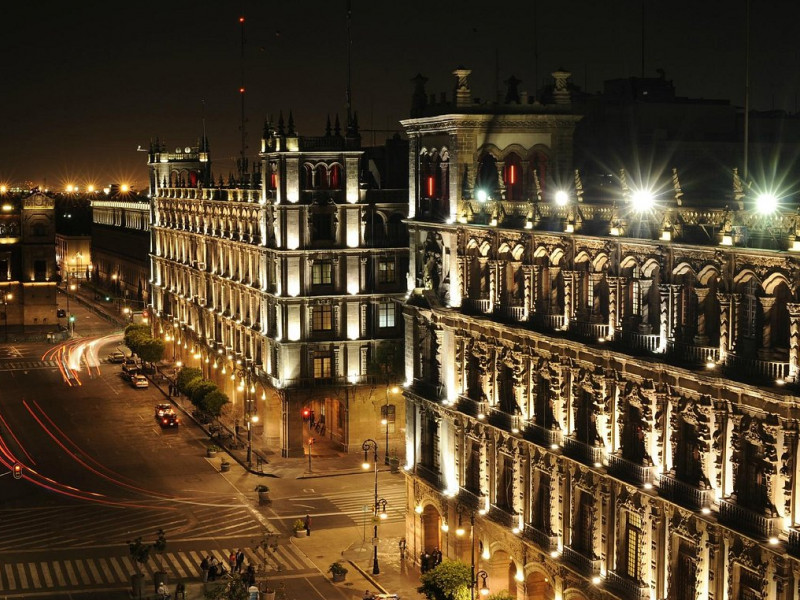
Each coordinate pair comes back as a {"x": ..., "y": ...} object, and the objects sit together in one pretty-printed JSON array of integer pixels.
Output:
[
  {"x": 513, "y": 177},
  {"x": 307, "y": 182},
  {"x": 336, "y": 177},
  {"x": 322, "y": 177},
  {"x": 486, "y": 180}
]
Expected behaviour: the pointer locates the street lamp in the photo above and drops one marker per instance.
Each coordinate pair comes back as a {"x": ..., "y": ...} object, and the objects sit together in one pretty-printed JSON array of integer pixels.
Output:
[
  {"x": 7, "y": 297},
  {"x": 366, "y": 446},
  {"x": 460, "y": 532},
  {"x": 385, "y": 423},
  {"x": 484, "y": 588}
]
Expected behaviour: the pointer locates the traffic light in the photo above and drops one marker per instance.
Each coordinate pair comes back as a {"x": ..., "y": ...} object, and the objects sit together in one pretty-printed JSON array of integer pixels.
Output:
[
  {"x": 17, "y": 470},
  {"x": 306, "y": 413}
]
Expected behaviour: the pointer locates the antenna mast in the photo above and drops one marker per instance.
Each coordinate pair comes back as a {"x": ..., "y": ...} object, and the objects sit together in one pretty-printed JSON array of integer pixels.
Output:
[
  {"x": 746, "y": 91},
  {"x": 348, "y": 92},
  {"x": 242, "y": 158}
]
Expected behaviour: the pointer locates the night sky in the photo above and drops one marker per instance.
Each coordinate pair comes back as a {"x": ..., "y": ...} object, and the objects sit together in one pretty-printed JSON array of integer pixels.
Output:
[{"x": 84, "y": 83}]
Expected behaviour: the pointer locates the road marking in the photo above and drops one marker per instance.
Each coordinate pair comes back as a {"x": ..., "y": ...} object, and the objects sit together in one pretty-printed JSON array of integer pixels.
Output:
[
  {"x": 23, "y": 578},
  {"x": 59, "y": 577},
  {"x": 34, "y": 574},
  {"x": 48, "y": 581},
  {"x": 12, "y": 583}
]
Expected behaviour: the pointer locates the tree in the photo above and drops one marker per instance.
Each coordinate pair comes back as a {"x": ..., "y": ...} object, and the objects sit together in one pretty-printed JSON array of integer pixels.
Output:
[
  {"x": 186, "y": 375},
  {"x": 151, "y": 350},
  {"x": 140, "y": 553},
  {"x": 501, "y": 595},
  {"x": 231, "y": 588},
  {"x": 213, "y": 403},
  {"x": 200, "y": 389},
  {"x": 450, "y": 580}
]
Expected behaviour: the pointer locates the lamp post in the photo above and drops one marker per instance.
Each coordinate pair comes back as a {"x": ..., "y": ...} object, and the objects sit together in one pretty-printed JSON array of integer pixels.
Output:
[
  {"x": 484, "y": 588},
  {"x": 368, "y": 445},
  {"x": 385, "y": 423},
  {"x": 459, "y": 533},
  {"x": 7, "y": 297}
]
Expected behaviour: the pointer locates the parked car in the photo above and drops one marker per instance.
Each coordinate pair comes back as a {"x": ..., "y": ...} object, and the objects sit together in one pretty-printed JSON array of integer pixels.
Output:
[
  {"x": 116, "y": 357},
  {"x": 139, "y": 381},
  {"x": 169, "y": 419},
  {"x": 163, "y": 409}
]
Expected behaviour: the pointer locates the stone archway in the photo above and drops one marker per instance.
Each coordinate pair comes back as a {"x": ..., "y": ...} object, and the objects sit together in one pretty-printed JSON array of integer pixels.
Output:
[
  {"x": 501, "y": 572},
  {"x": 539, "y": 587},
  {"x": 431, "y": 529}
]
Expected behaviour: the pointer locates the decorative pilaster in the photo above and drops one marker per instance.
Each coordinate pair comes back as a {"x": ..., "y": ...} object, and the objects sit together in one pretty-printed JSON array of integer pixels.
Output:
[
  {"x": 568, "y": 293},
  {"x": 767, "y": 302},
  {"x": 794, "y": 339},
  {"x": 527, "y": 291},
  {"x": 724, "y": 325}
]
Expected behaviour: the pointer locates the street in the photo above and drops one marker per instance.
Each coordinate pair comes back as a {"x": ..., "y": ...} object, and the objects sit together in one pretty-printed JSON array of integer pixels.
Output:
[{"x": 98, "y": 472}]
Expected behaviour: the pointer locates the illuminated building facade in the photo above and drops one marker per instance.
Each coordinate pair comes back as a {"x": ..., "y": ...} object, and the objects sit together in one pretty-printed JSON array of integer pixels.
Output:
[
  {"x": 120, "y": 247},
  {"x": 28, "y": 274},
  {"x": 285, "y": 291},
  {"x": 600, "y": 379}
]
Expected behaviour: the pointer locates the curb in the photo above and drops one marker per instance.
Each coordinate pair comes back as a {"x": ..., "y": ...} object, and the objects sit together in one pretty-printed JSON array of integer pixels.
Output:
[{"x": 368, "y": 577}]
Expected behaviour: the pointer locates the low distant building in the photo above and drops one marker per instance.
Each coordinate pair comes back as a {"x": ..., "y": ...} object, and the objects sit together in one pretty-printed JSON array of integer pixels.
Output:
[
  {"x": 74, "y": 256},
  {"x": 28, "y": 274}
]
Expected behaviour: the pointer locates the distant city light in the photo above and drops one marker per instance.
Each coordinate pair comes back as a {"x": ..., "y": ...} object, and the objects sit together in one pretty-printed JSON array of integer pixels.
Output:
[
  {"x": 562, "y": 198},
  {"x": 69, "y": 188},
  {"x": 3, "y": 189},
  {"x": 124, "y": 188},
  {"x": 90, "y": 188}
]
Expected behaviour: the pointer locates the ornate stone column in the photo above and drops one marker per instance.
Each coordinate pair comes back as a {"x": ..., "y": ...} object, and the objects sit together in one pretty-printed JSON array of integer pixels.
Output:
[
  {"x": 492, "y": 267},
  {"x": 794, "y": 340},
  {"x": 501, "y": 179},
  {"x": 527, "y": 291},
  {"x": 664, "y": 314},
  {"x": 536, "y": 287},
  {"x": 701, "y": 338},
  {"x": 724, "y": 325},
  {"x": 568, "y": 296}
]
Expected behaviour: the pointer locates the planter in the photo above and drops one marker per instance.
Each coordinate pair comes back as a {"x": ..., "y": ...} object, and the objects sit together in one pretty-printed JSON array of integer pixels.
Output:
[
  {"x": 394, "y": 465},
  {"x": 137, "y": 586},
  {"x": 263, "y": 498},
  {"x": 268, "y": 595},
  {"x": 224, "y": 466},
  {"x": 159, "y": 577},
  {"x": 211, "y": 453},
  {"x": 299, "y": 533},
  {"x": 338, "y": 577}
]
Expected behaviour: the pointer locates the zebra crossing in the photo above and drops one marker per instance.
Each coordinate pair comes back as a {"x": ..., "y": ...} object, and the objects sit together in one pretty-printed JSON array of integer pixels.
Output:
[
  {"x": 27, "y": 365},
  {"x": 359, "y": 507},
  {"x": 112, "y": 571}
]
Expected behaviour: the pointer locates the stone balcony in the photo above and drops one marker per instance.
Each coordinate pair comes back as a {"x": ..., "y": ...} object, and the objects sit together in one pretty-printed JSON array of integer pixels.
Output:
[
  {"x": 544, "y": 436},
  {"x": 545, "y": 541},
  {"x": 772, "y": 370},
  {"x": 481, "y": 306},
  {"x": 684, "y": 494},
  {"x": 586, "y": 566},
  {"x": 514, "y": 313},
  {"x": 593, "y": 332},
  {"x": 430, "y": 475},
  {"x": 630, "y": 471},
  {"x": 587, "y": 454},
  {"x": 748, "y": 521},
  {"x": 647, "y": 342},
  {"x": 627, "y": 588}
]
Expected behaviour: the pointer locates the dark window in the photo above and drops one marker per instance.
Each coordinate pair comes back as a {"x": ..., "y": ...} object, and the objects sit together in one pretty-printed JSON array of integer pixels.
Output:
[
  {"x": 473, "y": 475},
  {"x": 386, "y": 272},
  {"x": 40, "y": 270},
  {"x": 322, "y": 224},
  {"x": 542, "y": 515},
  {"x": 584, "y": 526},
  {"x": 322, "y": 318},
  {"x": 684, "y": 584},
  {"x": 388, "y": 415},
  {"x": 505, "y": 484},
  {"x": 4, "y": 275},
  {"x": 749, "y": 585},
  {"x": 544, "y": 407},
  {"x": 585, "y": 419},
  {"x": 386, "y": 314},
  {"x": 322, "y": 273}
]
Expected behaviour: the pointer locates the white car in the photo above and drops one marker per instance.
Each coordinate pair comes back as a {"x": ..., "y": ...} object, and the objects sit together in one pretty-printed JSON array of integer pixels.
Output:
[{"x": 139, "y": 381}]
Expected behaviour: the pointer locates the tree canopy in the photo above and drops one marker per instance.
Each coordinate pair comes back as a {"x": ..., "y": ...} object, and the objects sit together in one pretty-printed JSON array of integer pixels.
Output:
[{"x": 450, "y": 580}]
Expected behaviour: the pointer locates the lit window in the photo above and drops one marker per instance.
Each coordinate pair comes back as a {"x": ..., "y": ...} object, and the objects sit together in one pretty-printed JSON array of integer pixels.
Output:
[
  {"x": 386, "y": 314},
  {"x": 322, "y": 318},
  {"x": 322, "y": 365},
  {"x": 386, "y": 273},
  {"x": 322, "y": 273},
  {"x": 633, "y": 541}
]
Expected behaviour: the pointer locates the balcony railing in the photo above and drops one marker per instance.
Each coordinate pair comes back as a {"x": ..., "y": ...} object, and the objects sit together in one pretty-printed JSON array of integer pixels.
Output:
[
  {"x": 550, "y": 322},
  {"x": 588, "y": 330},
  {"x": 641, "y": 341},
  {"x": 427, "y": 390},
  {"x": 794, "y": 541},
  {"x": 501, "y": 516},
  {"x": 748, "y": 521},
  {"x": 755, "y": 367},
  {"x": 628, "y": 470},
  {"x": 591, "y": 455},
  {"x": 469, "y": 406},
  {"x": 628, "y": 588},
  {"x": 690, "y": 353},
  {"x": 477, "y": 305},
  {"x": 583, "y": 564},
  {"x": 513, "y": 313},
  {"x": 545, "y": 541},
  {"x": 502, "y": 420},
  {"x": 544, "y": 436},
  {"x": 684, "y": 494}
]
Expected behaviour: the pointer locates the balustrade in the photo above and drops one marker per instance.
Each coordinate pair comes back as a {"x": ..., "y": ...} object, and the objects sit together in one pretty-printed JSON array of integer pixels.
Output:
[
  {"x": 630, "y": 471},
  {"x": 756, "y": 367},
  {"x": 588, "y": 330},
  {"x": 591, "y": 455},
  {"x": 747, "y": 520},
  {"x": 585, "y": 565},
  {"x": 641, "y": 341},
  {"x": 684, "y": 494},
  {"x": 544, "y": 436},
  {"x": 477, "y": 305},
  {"x": 545, "y": 541},
  {"x": 628, "y": 588}
]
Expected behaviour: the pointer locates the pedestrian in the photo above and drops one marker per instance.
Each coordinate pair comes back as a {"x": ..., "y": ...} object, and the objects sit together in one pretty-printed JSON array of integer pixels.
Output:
[
  {"x": 250, "y": 575},
  {"x": 239, "y": 560},
  {"x": 308, "y": 525},
  {"x": 232, "y": 561},
  {"x": 254, "y": 592},
  {"x": 368, "y": 595},
  {"x": 437, "y": 557},
  {"x": 204, "y": 566},
  {"x": 423, "y": 561},
  {"x": 236, "y": 428},
  {"x": 311, "y": 420},
  {"x": 402, "y": 545},
  {"x": 212, "y": 568},
  {"x": 162, "y": 590}
]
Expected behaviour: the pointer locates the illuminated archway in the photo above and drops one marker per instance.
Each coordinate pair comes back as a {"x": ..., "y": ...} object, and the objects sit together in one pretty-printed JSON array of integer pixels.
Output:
[
  {"x": 539, "y": 587},
  {"x": 431, "y": 529}
]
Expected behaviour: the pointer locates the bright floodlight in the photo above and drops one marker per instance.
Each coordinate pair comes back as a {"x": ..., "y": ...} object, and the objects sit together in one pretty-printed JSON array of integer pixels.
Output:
[
  {"x": 766, "y": 204},
  {"x": 562, "y": 198},
  {"x": 642, "y": 200},
  {"x": 481, "y": 195}
]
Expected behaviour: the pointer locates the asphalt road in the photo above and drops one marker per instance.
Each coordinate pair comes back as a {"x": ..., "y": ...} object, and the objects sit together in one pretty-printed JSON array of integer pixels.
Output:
[{"x": 98, "y": 472}]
